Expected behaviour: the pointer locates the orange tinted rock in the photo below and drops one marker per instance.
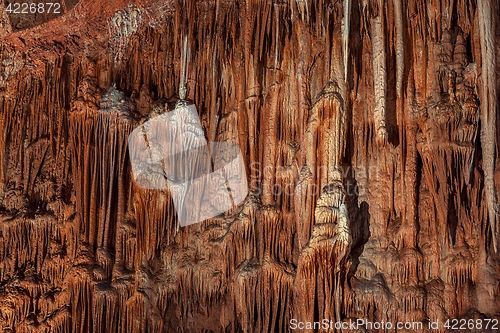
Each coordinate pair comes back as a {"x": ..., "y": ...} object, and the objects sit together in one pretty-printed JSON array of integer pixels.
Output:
[{"x": 369, "y": 145}]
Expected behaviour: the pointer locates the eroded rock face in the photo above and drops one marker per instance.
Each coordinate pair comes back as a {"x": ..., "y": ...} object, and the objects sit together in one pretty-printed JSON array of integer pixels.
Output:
[
  {"x": 24, "y": 14},
  {"x": 370, "y": 136}
]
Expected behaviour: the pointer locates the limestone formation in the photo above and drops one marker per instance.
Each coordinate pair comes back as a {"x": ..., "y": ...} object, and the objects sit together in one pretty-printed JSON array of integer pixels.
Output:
[{"x": 369, "y": 131}]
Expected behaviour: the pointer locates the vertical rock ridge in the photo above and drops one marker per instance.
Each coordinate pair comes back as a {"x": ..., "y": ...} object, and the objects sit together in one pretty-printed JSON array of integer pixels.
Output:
[
  {"x": 489, "y": 112},
  {"x": 336, "y": 225}
]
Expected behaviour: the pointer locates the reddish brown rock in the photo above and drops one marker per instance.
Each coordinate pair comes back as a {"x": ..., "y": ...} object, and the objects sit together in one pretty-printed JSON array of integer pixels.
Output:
[{"x": 370, "y": 136}]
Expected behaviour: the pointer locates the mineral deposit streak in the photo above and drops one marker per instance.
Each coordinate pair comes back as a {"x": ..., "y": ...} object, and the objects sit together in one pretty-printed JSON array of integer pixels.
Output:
[{"x": 403, "y": 92}]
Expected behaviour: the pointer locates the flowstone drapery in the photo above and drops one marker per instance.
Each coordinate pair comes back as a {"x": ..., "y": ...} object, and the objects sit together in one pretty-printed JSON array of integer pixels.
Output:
[{"x": 369, "y": 134}]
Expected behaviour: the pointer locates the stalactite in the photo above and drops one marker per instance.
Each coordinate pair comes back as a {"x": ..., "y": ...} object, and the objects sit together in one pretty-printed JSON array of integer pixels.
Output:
[
  {"x": 327, "y": 126},
  {"x": 407, "y": 267},
  {"x": 124, "y": 24},
  {"x": 393, "y": 234},
  {"x": 253, "y": 282},
  {"x": 345, "y": 37},
  {"x": 489, "y": 111},
  {"x": 5, "y": 26},
  {"x": 100, "y": 131},
  {"x": 304, "y": 194},
  {"x": 398, "y": 12},
  {"x": 270, "y": 145}
]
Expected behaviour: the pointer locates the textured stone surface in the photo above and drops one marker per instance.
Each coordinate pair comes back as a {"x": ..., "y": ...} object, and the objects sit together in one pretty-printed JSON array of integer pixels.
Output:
[
  {"x": 25, "y": 14},
  {"x": 371, "y": 146}
]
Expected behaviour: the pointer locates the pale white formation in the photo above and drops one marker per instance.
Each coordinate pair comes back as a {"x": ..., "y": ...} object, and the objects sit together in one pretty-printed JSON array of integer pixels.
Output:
[{"x": 5, "y": 26}]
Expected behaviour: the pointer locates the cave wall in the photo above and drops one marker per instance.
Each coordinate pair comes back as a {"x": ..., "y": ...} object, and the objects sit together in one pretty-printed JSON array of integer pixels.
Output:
[{"x": 376, "y": 121}]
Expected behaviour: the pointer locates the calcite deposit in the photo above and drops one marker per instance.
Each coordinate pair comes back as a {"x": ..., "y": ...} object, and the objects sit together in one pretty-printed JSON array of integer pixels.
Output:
[{"x": 369, "y": 131}]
